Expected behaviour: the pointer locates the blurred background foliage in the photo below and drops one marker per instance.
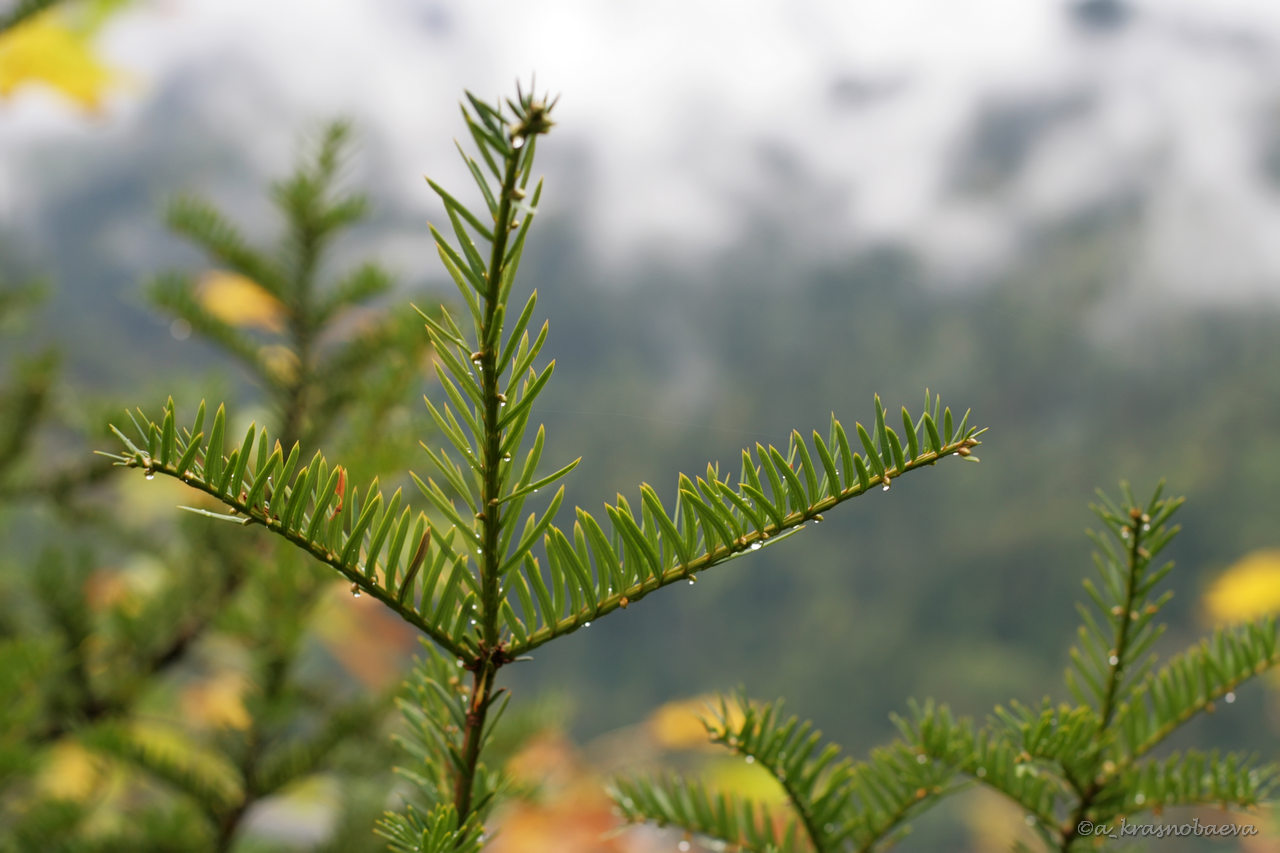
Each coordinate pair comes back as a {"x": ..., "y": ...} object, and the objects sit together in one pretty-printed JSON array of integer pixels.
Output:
[{"x": 1125, "y": 325}]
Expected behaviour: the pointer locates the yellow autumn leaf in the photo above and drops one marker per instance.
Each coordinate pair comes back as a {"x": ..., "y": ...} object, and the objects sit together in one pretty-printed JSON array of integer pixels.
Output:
[
  {"x": 239, "y": 301},
  {"x": 46, "y": 50},
  {"x": 70, "y": 774},
  {"x": 736, "y": 776},
  {"x": 1246, "y": 590},
  {"x": 217, "y": 702},
  {"x": 281, "y": 361},
  {"x": 678, "y": 725}
]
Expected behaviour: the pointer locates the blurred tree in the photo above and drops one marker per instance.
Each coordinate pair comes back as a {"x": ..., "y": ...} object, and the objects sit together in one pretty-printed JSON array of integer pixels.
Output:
[{"x": 167, "y": 698}]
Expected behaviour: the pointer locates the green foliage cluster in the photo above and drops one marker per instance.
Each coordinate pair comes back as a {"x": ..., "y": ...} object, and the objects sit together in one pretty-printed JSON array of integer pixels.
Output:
[
  {"x": 1078, "y": 771},
  {"x": 488, "y": 583},
  {"x": 495, "y": 584},
  {"x": 106, "y": 677}
]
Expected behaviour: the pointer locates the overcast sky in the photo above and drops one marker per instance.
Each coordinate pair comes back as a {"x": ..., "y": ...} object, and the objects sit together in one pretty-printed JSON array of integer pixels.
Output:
[{"x": 677, "y": 117}]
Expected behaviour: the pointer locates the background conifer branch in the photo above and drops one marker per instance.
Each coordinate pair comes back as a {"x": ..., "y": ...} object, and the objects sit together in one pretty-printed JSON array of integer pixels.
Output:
[{"x": 1068, "y": 767}]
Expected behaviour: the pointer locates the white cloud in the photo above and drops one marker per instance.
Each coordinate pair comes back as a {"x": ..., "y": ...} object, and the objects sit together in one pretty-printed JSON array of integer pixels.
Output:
[{"x": 669, "y": 101}]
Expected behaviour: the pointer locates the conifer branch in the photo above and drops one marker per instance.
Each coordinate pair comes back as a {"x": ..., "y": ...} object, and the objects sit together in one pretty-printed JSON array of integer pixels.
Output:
[
  {"x": 1193, "y": 682},
  {"x": 478, "y": 590},
  {"x": 687, "y": 804},
  {"x": 312, "y": 508},
  {"x": 713, "y": 522}
]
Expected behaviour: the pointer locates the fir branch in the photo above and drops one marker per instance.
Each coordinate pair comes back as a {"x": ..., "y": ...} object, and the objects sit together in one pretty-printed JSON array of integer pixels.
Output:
[
  {"x": 303, "y": 755},
  {"x": 1195, "y": 779},
  {"x": 1193, "y": 682},
  {"x": 719, "y": 524},
  {"x": 988, "y": 756},
  {"x": 816, "y": 783},
  {"x": 670, "y": 800},
  {"x": 206, "y": 226},
  {"x": 436, "y": 831},
  {"x": 309, "y": 507},
  {"x": 204, "y": 776}
]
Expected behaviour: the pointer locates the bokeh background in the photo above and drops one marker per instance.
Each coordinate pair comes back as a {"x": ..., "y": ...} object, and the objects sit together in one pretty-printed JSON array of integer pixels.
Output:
[{"x": 1063, "y": 215}]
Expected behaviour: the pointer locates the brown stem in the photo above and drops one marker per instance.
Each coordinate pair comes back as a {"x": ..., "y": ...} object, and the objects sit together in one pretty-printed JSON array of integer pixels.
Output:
[{"x": 485, "y": 664}]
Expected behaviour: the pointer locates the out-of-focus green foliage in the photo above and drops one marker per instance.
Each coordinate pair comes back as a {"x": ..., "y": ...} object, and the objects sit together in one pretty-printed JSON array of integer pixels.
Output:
[
  {"x": 1079, "y": 772},
  {"x": 174, "y": 679}
]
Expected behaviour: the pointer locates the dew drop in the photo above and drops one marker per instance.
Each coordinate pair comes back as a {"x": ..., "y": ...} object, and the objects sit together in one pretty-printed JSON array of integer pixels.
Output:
[
  {"x": 473, "y": 621},
  {"x": 586, "y": 624},
  {"x": 1124, "y": 533},
  {"x": 355, "y": 590},
  {"x": 751, "y": 759},
  {"x": 755, "y": 546},
  {"x": 151, "y": 475},
  {"x": 1139, "y": 799},
  {"x": 885, "y": 487},
  {"x": 506, "y": 457},
  {"x": 460, "y": 664},
  {"x": 1229, "y": 698},
  {"x": 1113, "y": 660},
  {"x": 692, "y": 580},
  {"x": 1146, "y": 528},
  {"x": 517, "y": 143},
  {"x": 683, "y": 846}
]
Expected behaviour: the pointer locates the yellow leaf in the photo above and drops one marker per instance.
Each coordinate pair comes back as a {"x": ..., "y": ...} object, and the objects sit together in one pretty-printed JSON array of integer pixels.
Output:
[
  {"x": 44, "y": 50},
  {"x": 1246, "y": 590},
  {"x": 70, "y": 774},
  {"x": 678, "y": 725},
  {"x": 217, "y": 702},
  {"x": 281, "y": 361},
  {"x": 239, "y": 301},
  {"x": 736, "y": 776}
]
